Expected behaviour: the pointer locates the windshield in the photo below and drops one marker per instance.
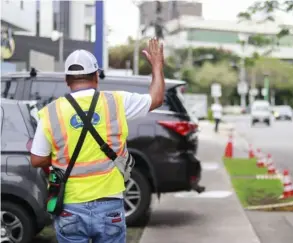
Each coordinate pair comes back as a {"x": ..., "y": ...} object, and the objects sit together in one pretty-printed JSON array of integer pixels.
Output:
[{"x": 261, "y": 108}]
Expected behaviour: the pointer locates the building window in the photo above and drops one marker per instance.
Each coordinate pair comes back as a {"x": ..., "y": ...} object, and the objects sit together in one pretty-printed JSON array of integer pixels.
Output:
[
  {"x": 21, "y": 4},
  {"x": 87, "y": 33},
  {"x": 90, "y": 32},
  {"x": 213, "y": 36},
  {"x": 89, "y": 10},
  {"x": 56, "y": 16}
]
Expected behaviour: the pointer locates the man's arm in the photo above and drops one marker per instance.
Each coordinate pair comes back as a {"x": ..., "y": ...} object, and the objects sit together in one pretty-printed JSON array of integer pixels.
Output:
[
  {"x": 155, "y": 56},
  {"x": 40, "y": 161},
  {"x": 41, "y": 149}
]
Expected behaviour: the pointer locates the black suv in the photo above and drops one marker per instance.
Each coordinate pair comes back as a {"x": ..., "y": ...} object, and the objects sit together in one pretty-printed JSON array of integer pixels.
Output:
[
  {"x": 164, "y": 143},
  {"x": 23, "y": 188}
]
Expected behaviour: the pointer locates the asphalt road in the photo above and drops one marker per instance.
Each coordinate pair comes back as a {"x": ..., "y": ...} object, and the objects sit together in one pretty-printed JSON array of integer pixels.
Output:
[{"x": 276, "y": 139}]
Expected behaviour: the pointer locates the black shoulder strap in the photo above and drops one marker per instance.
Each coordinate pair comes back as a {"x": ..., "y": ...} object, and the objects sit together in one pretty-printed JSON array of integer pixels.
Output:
[
  {"x": 82, "y": 136},
  {"x": 87, "y": 122}
]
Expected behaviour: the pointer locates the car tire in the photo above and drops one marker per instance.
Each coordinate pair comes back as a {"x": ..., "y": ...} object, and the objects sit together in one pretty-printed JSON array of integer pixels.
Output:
[
  {"x": 268, "y": 123},
  {"x": 141, "y": 215},
  {"x": 17, "y": 212}
]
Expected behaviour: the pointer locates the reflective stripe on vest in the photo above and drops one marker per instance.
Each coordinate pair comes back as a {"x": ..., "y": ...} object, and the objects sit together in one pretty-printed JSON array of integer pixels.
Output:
[{"x": 60, "y": 141}]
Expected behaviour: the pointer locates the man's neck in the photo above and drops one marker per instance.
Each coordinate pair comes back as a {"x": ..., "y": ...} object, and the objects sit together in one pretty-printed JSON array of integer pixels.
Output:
[{"x": 79, "y": 87}]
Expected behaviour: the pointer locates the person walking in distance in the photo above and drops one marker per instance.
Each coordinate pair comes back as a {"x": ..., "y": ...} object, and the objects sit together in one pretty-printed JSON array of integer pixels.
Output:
[
  {"x": 83, "y": 137},
  {"x": 217, "y": 114}
]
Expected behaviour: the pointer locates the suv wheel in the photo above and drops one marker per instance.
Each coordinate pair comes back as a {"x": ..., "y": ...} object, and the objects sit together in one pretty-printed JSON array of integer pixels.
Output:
[
  {"x": 137, "y": 199},
  {"x": 16, "y": 224}
]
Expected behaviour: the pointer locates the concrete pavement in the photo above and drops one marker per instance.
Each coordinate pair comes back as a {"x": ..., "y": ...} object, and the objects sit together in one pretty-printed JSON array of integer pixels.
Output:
[
  {"x": 272, "y": 227},
  {"x": 203, "y": 220}
]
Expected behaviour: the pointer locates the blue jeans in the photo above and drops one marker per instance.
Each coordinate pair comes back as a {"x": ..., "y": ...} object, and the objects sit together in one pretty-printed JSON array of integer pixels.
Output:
[{"x": 100, "y": 221}]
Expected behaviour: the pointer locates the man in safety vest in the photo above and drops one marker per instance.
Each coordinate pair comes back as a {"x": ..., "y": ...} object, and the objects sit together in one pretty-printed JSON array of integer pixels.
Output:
[{"x": 93, "y": 198}]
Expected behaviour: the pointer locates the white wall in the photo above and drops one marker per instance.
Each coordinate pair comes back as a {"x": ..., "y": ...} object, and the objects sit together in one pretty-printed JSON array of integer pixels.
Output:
[
  {"x": 24, "y": 19},
  {"x": 78, "y": 19},
  {"x": 46, "y": 18}
]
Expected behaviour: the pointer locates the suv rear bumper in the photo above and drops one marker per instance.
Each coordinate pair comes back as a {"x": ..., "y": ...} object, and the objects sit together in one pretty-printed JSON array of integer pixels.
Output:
[{"x": 182, "y": 172}]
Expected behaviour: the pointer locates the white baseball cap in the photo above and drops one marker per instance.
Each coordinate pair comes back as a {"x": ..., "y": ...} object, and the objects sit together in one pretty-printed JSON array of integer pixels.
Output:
[{"x": 83, "y": 58}]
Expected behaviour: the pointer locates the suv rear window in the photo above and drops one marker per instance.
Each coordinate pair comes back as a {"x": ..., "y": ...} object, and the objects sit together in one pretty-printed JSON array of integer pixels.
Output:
[
  {"x": 46, "y": 91},
  {"x": 174, "y": 101},
  {"x": 8, "y": 89}
]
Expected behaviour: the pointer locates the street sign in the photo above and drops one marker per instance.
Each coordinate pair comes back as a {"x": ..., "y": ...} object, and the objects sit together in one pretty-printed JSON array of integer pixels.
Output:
[
  {"x": 264, "y": 91},
  {"x": 216, "y": 90},
  {"x": 253, "y": 92},
  {"x": 242, "y": 88}
]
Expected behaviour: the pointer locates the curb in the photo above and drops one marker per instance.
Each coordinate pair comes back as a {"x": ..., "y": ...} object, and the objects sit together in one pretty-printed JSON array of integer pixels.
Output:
[
  {"x": 227, "y": 177},
  {"x": 277, "y": 205}
]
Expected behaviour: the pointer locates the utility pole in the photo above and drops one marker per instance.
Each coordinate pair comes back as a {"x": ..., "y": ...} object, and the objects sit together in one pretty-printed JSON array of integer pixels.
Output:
[
  {"x": 267, "y": 87},
  {"x": 159, "y": 21},
  {"x": 136, "y": 43},
  {"x": 61, "y": 36},
  {"x": 242, "y": 86}
]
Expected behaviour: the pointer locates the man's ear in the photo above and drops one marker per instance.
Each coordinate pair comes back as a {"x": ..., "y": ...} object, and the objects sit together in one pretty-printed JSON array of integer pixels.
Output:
[{"x": 97, "y": 77}]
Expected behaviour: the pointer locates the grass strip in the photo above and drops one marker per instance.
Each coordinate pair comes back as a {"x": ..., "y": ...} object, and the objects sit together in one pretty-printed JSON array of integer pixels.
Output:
[{"x": 251, "y": 191}]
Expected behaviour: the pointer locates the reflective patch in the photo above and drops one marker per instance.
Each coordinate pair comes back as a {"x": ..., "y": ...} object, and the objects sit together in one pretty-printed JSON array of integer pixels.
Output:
[{"x": 76, "y": 121}]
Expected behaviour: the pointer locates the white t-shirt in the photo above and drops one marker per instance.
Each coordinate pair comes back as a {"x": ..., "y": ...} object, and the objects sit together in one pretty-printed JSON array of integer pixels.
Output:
[
  {"x": 136, "y": 105},
  {"x": 217, "y": 111}
]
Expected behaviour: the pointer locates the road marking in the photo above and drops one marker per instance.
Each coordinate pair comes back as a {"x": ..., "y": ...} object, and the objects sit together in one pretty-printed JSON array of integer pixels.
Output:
[
  {"x": 210, "y": 166},
  {"x": 209, "y": 194}
]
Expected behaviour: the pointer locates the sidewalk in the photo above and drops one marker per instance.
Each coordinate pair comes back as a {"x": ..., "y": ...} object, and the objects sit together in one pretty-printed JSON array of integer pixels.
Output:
[
  {"x": 201, "y": 220},
  {"x": 225, "y": 129}
]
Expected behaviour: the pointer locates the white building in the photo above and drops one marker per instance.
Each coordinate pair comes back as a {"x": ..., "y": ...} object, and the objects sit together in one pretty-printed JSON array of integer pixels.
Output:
[
  {"x": 195, "y": 32},
  {"x": 76, "y": 19},
  {"x": 18, "y": 15}
]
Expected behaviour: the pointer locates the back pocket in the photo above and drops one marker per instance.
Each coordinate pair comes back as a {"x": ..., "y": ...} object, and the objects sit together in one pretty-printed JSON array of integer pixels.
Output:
[
  {"x": 114, "y": 223},
  {"x": 67, "y": 223}
]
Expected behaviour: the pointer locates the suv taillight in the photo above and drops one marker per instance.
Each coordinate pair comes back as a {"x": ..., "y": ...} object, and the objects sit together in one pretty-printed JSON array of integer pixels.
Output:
[{"x": 181, "y": 127}]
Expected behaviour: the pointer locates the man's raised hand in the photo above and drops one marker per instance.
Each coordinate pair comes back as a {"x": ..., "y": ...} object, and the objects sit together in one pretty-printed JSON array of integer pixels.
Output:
[{"x": 155, "y": 53}]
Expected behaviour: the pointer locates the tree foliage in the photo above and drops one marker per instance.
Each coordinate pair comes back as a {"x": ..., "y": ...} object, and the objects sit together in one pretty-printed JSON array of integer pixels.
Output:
[
  {"x": 200, "y": 79},
  {"x": 269, "y": 9},
  {"x": 221, "y": 73},
  {"x": 280, "y": 73},
  {"x": 121, "y": 54},
  {"x": 216, "y": 53}
]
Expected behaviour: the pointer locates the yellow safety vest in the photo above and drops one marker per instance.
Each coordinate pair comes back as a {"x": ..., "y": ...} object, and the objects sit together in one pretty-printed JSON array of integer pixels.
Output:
[{"x": 94, "y": 175}]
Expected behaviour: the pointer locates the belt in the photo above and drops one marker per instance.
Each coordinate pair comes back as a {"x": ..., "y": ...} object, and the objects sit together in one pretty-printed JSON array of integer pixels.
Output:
[{"x": 103, "y": 199}]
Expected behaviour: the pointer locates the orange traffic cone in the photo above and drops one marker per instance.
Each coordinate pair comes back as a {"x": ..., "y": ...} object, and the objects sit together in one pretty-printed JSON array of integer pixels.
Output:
[
  {"x": 229, "y": 147},
  {"x": 251, "y": 152},
  {"x": 288, "y": 188},
  {"x": 271, "y": 167},
  {"x": 258, "y": 153},
  {"x": 261, "y": 160}
]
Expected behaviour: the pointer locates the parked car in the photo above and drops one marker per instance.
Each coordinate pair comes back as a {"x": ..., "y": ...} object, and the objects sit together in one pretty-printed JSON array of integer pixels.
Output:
[
  {"x": 163, "y": 144},
  {"x": 283, "y": 112},
  {"x": 261, "y": 112},
  {"x": 23, "y": 188}
]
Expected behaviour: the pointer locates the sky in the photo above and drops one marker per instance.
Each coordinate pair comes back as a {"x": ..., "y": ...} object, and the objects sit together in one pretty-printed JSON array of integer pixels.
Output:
[{"x": 122, "y": 15}]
